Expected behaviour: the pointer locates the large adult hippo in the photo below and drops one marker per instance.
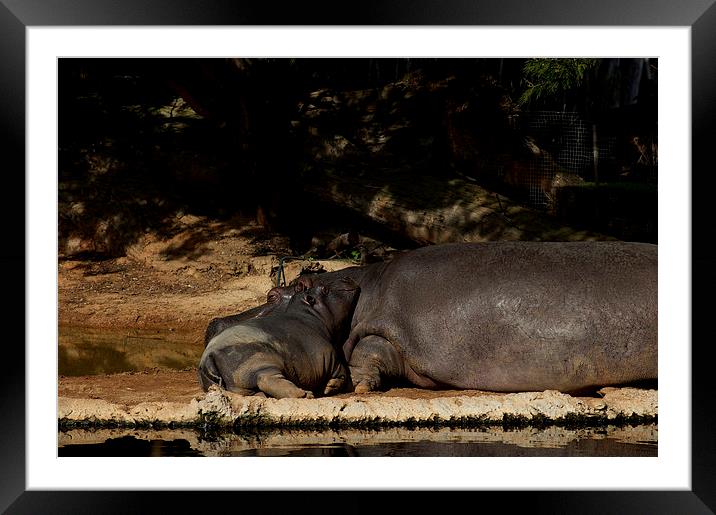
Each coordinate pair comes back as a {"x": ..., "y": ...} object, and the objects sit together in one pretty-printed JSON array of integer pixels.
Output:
[
  {"x": 289, "y": 352},
  {"x": 505, "y": 316}
]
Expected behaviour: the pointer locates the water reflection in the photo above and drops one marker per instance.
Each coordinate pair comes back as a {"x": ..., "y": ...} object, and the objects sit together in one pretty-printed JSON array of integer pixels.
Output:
[
  {"x": 85, "y": 351},
  {"x": 486, "y": 441}
]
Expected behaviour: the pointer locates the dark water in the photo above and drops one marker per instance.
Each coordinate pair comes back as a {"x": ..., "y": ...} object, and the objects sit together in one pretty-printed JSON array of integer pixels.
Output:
[
  {"x": 636, "y": 441},
  {"x": 131, "y": 446},
  {"x": 85, "y": 351}
]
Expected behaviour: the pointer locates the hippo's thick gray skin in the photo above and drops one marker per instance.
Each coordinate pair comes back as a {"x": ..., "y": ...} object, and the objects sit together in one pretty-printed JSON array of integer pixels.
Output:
[
  {"x": 505, "y": 316},
  {"x": 289, "y": 352},
  {"x": 276, "y": 300}
]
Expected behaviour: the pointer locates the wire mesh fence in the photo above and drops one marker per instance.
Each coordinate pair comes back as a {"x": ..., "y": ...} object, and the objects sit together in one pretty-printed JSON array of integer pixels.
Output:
[
  {"x": 570, "y": 139},
  {"x": 597, "y": 175},
  {"x": 566, "y": 149}
]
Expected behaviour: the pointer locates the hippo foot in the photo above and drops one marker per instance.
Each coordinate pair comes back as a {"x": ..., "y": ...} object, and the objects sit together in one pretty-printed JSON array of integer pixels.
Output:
[
  {"x": 365, "y": 387},
  {"x": 373, "y": 359},
  {"x": 333, "y": 386},
  {"x": 276, "y": 385}
]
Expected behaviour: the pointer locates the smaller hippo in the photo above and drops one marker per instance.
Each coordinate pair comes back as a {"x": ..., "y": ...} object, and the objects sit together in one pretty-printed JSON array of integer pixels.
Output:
[
  {"x": 276, "y": 299},
  {"x": 289, "y": 352}
]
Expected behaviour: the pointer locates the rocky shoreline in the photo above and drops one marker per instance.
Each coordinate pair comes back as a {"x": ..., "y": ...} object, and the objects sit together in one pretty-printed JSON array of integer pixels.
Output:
[{"x": 406, "y": 407}]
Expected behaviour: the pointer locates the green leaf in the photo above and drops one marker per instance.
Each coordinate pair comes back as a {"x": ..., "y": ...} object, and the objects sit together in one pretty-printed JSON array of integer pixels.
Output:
[{"x": 548, "y": 77}]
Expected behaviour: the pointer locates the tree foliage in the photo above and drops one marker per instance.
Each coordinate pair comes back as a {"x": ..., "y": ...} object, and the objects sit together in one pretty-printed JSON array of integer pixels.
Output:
[{"x": 553, "y": 78}]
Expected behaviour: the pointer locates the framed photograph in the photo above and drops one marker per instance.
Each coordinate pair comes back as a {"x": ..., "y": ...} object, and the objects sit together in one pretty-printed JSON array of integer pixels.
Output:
[{"x": 38, "y": 35}]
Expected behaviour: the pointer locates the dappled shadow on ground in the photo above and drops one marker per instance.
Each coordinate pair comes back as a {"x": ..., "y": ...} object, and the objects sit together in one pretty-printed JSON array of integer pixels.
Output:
[
  {"x": 414, "y": 161},
  {"x": 192, "y": 237},
  {"x": 463, "y": 211},
  {"x": 429, "y": 160},
  {"x": 134, "y": 157},
  {"x": 105, "y": 206},
  {"x": 194, "y": 244}
]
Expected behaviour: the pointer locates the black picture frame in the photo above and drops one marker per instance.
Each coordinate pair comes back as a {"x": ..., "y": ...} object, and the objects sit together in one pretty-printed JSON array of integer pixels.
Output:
[{"x": 17, "y": 15}]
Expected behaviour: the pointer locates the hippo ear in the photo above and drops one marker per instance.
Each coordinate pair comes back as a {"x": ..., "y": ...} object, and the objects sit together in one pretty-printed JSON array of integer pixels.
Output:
[{"x": 273, "y": 296}]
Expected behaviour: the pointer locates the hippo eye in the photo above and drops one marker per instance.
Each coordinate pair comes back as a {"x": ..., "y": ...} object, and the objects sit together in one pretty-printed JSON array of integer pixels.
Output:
[{"x": 272, "y": 297}]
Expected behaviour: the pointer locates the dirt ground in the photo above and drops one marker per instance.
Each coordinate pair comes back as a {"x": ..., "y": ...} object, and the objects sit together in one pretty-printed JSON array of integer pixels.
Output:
[{"x": 132, "y": 388}]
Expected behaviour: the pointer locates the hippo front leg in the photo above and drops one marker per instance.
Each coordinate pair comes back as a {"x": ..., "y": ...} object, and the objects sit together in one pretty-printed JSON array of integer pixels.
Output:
[
  {"x": 373, "y": 359},
  {"x": 273, "y": 383}
]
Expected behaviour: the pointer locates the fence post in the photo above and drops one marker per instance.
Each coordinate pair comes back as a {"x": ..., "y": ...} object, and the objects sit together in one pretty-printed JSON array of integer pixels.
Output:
[{"x": 595, "y": 153}]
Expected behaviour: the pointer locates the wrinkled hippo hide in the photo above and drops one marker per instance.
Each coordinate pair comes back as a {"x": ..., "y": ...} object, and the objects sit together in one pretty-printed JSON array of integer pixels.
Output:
[{"x": 505, "y": 316}]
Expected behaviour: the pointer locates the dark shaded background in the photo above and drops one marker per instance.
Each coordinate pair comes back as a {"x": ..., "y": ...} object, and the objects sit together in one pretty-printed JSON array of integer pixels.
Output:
[{"x": 142, "y": 139}]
